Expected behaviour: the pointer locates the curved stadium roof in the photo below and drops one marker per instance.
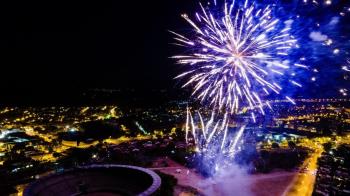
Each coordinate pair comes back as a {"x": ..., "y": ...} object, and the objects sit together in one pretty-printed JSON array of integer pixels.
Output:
[{"x": 109, "y": 180}]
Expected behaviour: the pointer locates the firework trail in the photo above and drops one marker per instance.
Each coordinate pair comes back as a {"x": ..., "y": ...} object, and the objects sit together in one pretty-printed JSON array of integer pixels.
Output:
[
  {"x": 236, "y": 57},
  {"x": 213, "y": 136}
]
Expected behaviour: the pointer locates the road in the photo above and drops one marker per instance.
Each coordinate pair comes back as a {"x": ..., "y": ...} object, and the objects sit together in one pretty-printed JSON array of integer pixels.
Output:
[{"x": 303, "y": 183}]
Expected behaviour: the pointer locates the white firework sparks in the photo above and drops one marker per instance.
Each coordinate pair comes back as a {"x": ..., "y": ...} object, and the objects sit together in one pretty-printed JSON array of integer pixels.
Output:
[
  {"x": 347, "y": 66},
  {"x": 212, "y": 136},
  {"x": 318, "y": 2},
  {"x": 236, "y": 57}
]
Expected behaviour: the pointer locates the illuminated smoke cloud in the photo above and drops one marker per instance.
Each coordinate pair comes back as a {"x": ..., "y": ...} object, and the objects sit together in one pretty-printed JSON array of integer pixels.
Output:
[{"x": 318, "y": 36}]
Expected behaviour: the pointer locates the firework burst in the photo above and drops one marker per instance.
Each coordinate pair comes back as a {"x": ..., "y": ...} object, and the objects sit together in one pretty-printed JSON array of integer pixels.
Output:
[{"x": 236, "y": 57}]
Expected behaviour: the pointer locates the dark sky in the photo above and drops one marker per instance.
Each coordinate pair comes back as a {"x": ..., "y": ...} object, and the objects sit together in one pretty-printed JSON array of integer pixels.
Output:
[
  {"x": 51, "y": 48},
  {"x": 56, "y": 49}
]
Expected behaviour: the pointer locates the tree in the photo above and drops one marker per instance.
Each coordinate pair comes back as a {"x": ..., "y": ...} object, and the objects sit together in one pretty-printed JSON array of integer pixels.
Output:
[
  {"x": 167, "y": 186},
  {"x": 275, "y": 145},
  {"x": 325, "y": 125},
  {"x": 291, "y": 144},
  {"x": 327, "y": 146}
]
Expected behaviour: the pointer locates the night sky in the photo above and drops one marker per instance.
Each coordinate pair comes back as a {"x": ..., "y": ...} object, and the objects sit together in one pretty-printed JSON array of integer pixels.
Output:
[{"x": 54, "y": 49}]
